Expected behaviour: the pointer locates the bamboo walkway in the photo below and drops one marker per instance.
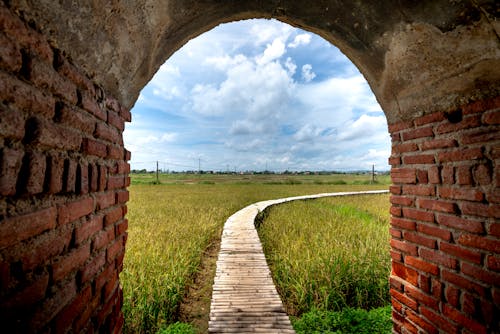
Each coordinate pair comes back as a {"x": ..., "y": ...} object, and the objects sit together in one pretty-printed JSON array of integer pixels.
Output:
[{"x": 244, "y": 298}]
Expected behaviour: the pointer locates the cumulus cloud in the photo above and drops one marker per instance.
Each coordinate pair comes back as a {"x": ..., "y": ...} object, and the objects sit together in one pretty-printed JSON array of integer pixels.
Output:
[
  {"x": 307, "y": 73},
  {"x": 272, "y": 52},
  {"x": 302, "y": 39}
]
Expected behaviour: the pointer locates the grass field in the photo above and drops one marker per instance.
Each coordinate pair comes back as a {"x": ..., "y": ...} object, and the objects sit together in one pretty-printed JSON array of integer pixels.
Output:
[{"x": 172, "y": 224}]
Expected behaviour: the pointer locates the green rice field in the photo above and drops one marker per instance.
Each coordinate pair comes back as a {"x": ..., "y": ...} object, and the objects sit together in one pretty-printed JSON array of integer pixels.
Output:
[{"x": 173, "y": 223}]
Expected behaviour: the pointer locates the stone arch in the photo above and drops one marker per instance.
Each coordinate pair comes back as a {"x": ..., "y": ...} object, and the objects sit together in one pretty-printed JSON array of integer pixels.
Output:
[{"x": 68, "y": 80}]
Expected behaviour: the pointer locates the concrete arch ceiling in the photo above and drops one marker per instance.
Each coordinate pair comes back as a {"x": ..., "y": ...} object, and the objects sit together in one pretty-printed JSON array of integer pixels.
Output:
[{"x": 418, "y": 56}]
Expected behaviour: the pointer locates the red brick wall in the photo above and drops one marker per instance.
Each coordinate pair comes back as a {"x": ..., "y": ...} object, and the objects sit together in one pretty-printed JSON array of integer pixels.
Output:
[
  {"x": 445, "y": 223},
  {"x": 63, "y": 179}
]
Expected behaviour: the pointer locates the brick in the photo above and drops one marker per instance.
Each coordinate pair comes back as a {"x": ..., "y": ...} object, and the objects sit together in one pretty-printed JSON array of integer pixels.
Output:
[
  {"x": 461, "y": 252},
  {"x": 482, "y": 175},
  {"x": 481, "y": 105},
  {"x": 493, "y": 262},
  {"x": 439, "y": 321},
  {"x": 46, "y": 134},
  {"x": 404, "y": 246},
  {"x": 401, "y": 200},
  {"x": 94, "y": 148},
  {"x": 125, "y": 114},
  {"x": 103, "y": 177},
  {"x": 24, "y": 97},
  {"x": 16, "y": 229},
  {"x": 123, "y": 167},
  {"x": 405, "y": 273},
  {"x": 463, "y": 175},
  {"x": 433, "y": 174},
  {"x": 418, "y": 133},
  {"x": 403, "y": 299},
  {"x": 10, "y": 54},
  {"x": 43, "y": 75},
  {"x": 88, "y": 229},
  {"x": 487, "y": 135},
  {"x": 491, "y": 117},
  {"x": 121, "y": 228},
  {"x": 418, "y": 215},
  {"x": 420, "y": 322},
  {"x": 419, "y": 190},
  {"x": 26, "y": 37},
  {"x": 75, "y": 118},
  {"x": 27, "y": 296},
  {"x": 468, "y": 304},
  {"x": 452, "y": 296},
  {"x": 437, "y": 205},
  {"x": 70, "y": 72},
  {"x": 422, "y": 265},
  {"x": 447, "y": 175},
  {"x": 466, "y": 123},
  {"x": 422, "y": 177},
  {"x": 114, "y": 250},
  {"x": 10, "y": 166},
  {"x": 395, "y": 137},
  {"x": 434, "y": 231},
  {"x": 92, "y": 268},
  {"x": 404, "y": 148},
  {"x": 438, "y": 257},
  {"x": 438, "y": 144},
  {"x": 456, "y": 222},
  {"x": 113, "y": 216},
  {"x": 122, "y": 196},
  {"x": 55, "y": 170},
  {"x": 54, "y": 304},
  {"x": 69, "y": 176},
  {"x": 11, "y": 123},
  {"x": 113, "y": 105},
  {"x": 403, "y": 223},
  {"x": 463, "y": 282},
  {"x": 394, "y": 161},
  {"x": 128, "y": 155},
  {"x": 419, "y": 159},
  {"x": 115, "y": 152},
  {"x": 419, "y": 239},
  {"x": 70, "y": 263},
  {"x": 436, "y": 288},
  {"x": 103, "y": 238},
  {"x": 395, "y": 233},
  {"x": 105, "y": 200},
  {"x": 106, "y": 275},
  {"x": 89, "y": 103},
  {"x": 46, "y": 247},
  {"x": 424, "y": 282},
  {"x": 475, "y": 209},
  {"x": 395, "y": 211},
  {"x": 75, "y": 210},
  {"x": 480, "y": 274},
  {"x": 104, "y": 132},
  {"x": 403, "y": 175},
  {"x": 36, "y": 165},
  {"x": 461, "y": 319},
  {"x": 460, "y": 155},
  {"x": 431, "y": 118},
  {"x": 82, "y": 180},
  {"x": 93, "y": 177},
  {"x": 494, "y": 230},
  {"x": 460, "y": 193},
  {"x": 116, "y": 120},
  {"x": 395, "y": 127},
  {"x": 66, "y": 317}
]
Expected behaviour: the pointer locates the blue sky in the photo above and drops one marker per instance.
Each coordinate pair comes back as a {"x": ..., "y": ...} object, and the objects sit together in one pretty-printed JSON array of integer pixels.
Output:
[{"x": 254, "y": 94}]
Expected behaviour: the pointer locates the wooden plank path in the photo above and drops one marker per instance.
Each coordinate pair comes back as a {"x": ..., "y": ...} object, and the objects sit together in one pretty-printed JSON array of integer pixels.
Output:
[{"x": 244, "y": 298}]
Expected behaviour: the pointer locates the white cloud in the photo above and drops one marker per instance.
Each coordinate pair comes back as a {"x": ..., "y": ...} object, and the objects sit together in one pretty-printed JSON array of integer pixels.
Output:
[
  {"x": 273, "y": 51},
  {"x": 290, "y": 66},
  {"x": 302, "y": 39},
  {"x": 308, "y": 132},
  {"x": 363, "y": 127},
  {"x": 307, "y": 73}
]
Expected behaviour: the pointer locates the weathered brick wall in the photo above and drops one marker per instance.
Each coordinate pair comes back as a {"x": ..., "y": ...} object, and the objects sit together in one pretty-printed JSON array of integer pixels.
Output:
[
  {"x": 445, "y": 223},
  {"x": 63, "y": 179}
]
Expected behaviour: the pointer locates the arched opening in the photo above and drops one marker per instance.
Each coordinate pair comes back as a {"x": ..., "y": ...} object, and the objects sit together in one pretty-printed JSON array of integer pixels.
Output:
[{"x": 249, "y": 110}]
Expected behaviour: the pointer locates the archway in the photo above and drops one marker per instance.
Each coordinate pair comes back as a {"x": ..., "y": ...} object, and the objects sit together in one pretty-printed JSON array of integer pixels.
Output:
[{"x": 64, "y": 173}]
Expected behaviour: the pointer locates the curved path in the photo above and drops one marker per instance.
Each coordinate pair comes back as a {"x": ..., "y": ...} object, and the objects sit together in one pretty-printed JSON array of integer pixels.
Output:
[{"x": 244, "y": 298}]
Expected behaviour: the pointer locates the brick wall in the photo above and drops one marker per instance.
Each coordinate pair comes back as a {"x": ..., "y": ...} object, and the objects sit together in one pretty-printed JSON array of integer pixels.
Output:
[
  {"x": 445, "y": 223},
  {"x": 63, "y": 179}
]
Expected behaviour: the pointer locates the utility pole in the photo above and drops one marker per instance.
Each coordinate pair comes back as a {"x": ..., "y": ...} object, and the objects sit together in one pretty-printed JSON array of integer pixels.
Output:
[
  {"x": 199, "y": 165},
  {"x": 373, "y": 173},
  {"x": 157, "y": 177}
]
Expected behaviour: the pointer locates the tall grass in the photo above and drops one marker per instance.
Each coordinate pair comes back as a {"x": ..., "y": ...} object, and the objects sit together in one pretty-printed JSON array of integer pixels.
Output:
[
  {"x": 170, "y": 226},
  {"x": 329, "y": 253}
]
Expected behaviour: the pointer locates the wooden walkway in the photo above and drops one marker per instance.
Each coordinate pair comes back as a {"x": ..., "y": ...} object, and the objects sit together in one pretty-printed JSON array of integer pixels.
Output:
[{"x": 244, "y": 298}]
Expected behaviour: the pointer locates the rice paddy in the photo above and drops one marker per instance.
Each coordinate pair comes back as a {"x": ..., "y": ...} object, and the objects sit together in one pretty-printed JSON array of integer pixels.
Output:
[{"x": 172, "y": 224}]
